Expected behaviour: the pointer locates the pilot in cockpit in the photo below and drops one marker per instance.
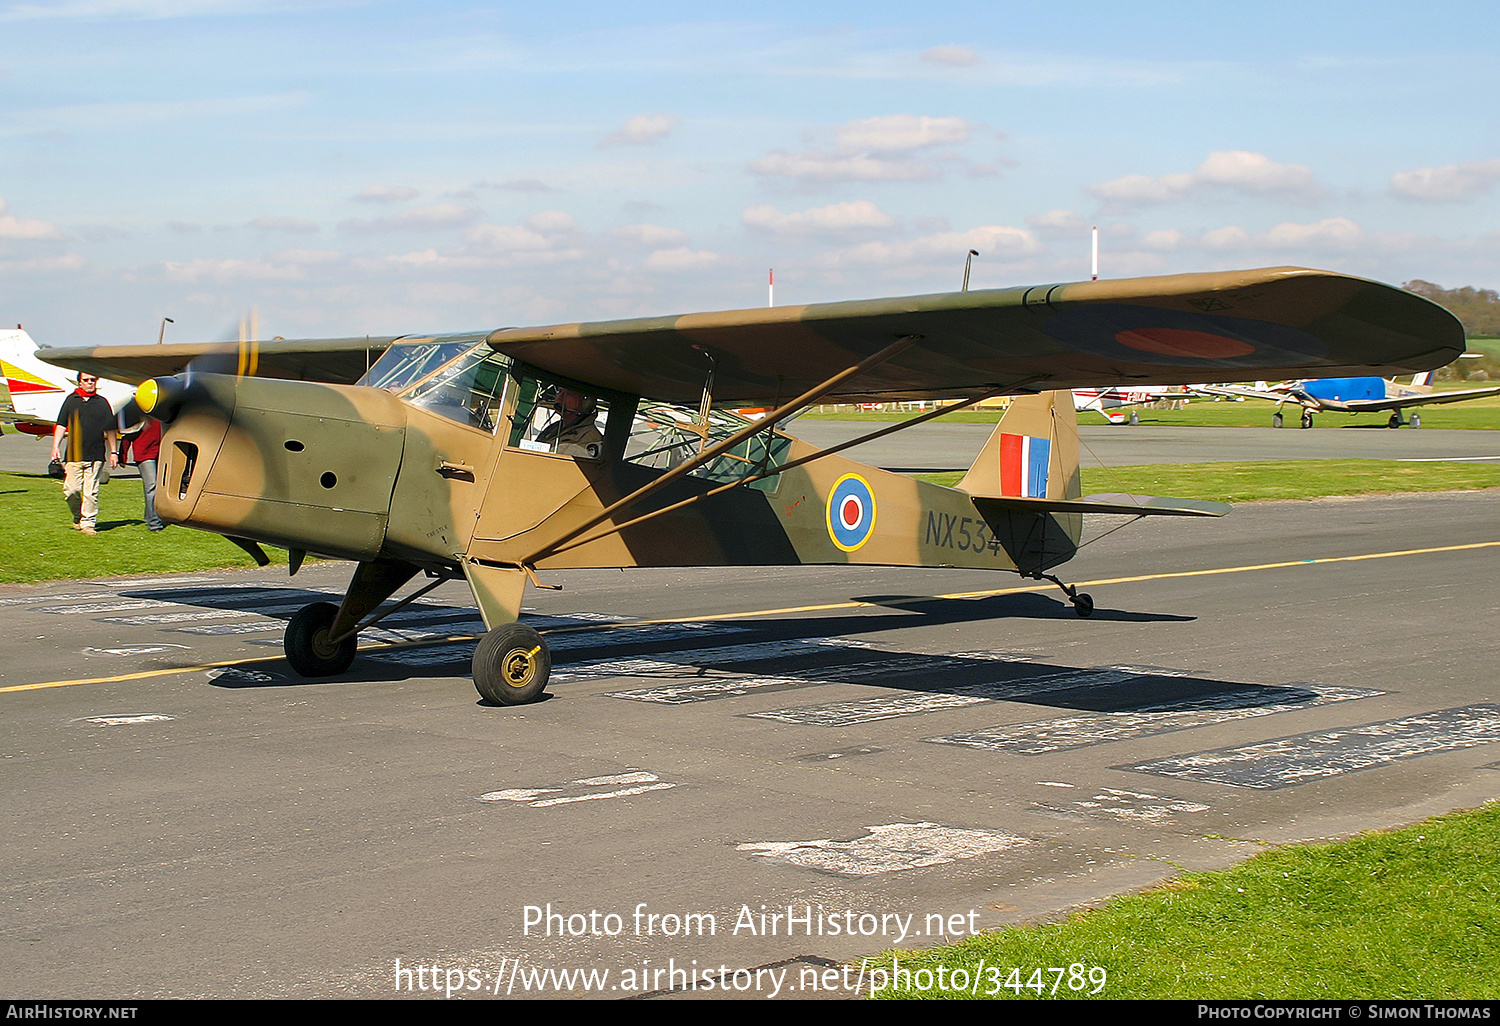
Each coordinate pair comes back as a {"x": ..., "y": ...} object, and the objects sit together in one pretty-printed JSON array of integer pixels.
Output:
[{"x": 574, "y": 432}]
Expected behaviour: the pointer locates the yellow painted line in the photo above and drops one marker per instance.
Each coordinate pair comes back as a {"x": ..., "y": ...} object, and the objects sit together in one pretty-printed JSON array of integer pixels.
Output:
[
  {"x": 1044, "y": 586},
  {"x": 825, "y": 607}
]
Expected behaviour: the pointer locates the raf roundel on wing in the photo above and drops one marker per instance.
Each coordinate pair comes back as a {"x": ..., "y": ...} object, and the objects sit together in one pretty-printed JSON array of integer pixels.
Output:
[{"x": 1148, "y": 334}]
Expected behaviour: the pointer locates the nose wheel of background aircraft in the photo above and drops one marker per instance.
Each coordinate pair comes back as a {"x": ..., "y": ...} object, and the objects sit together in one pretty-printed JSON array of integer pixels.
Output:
[
  {"x": 511, "y": 665},
  {"x": 307, "y": 643}
]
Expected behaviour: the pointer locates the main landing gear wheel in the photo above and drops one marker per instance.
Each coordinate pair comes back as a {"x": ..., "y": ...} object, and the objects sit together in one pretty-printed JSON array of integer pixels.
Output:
[
  {"x": 1416, "y": 420},
  {"x": 1395, "y": 420},
  {"x": 1083, "y": 604},
  {"x": 1307, "y": 418},
  {"x": 307, "y": 643},
  {"x": 1276, "y": 420},
  {"x": 511, "y": 665}
]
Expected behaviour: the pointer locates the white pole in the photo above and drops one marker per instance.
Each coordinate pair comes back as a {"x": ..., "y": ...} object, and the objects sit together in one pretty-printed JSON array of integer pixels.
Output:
[
  {"x": 771, "y": 287},
  {"x": 1096, "y": 254}
]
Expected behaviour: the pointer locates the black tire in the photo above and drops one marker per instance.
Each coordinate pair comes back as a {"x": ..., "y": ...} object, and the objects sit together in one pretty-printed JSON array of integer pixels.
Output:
[
  {"x": 1307, "y": 418},
  {"x": 511, "y": 665},
  {"x": 1083, "y": 604},
  {"x": 1276, "y": 420},
  {"x": 307, "y": 646},
  {"x": 1395, "y": 421}
]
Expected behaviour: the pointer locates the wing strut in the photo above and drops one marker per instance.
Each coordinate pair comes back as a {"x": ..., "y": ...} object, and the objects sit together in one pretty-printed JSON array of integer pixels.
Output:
[
  {"x": 711, "y": 453},
  {"x": 1010, "y": 389}
]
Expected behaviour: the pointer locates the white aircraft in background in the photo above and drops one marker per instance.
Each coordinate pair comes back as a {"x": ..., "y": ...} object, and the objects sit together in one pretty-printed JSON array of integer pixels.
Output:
[
  {"x": 1110, "y": 403},
  {"x": 1350, "y": 395},
  {"x": 31, "y": 391}
]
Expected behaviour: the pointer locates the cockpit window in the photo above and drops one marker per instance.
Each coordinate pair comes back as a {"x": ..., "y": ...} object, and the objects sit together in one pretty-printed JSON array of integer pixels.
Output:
[
  {"x": 467, "y": 390},
  {"x": 408, "y": 361},
  {"x": 665, "y": 435}
]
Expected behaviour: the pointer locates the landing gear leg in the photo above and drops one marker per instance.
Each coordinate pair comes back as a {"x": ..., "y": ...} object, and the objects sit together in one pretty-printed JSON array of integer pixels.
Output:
[
  {"x": 1083, "y": 604},
  {"x": 321, "y": 638}
]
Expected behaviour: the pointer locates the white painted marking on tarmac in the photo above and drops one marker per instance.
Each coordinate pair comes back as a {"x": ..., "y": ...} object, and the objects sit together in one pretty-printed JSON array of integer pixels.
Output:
[
  {"x": 127, "y": 719},
  {"x": 913, "y": 703},
  {"x": 236, "y": 674},
  {"x": 1288, "y": 761},
  {"x": 133, "y": 650},
  {"x": 843, "y": 714},
  {"x": 1446, "y": 459},
  {"x": 150, "y": 619},
  {"x": 1059, "y": 735},
  {"x": 891, "y": 848},
  {"x": 535, "y": 797},
  {"x": 1129, "y": 806},
  {"x": 26, "y": 600},
  {"x": 114, "y": 606},
  {"x": 251, "y": 627},
  {"x": 1054, "y": 783}
]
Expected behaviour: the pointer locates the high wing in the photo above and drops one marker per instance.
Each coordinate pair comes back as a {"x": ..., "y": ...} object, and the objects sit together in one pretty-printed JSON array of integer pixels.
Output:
[
  {"x": 1269, "y": 323},
  {"x": 338, "y": 361}
]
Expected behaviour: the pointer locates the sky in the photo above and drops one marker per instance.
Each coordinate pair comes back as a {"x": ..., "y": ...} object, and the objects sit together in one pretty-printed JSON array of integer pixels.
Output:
[{"x": 350, "y": 168}]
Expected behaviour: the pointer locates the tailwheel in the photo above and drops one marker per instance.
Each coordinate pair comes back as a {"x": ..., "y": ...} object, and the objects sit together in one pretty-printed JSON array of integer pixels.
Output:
[
  {"x": 308, "y": 645},
  {"x": 511, "y": 665}
]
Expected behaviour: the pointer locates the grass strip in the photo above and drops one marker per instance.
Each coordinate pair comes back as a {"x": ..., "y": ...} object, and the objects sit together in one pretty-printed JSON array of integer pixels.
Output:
[
  {"x": 1279, "y": 479},
  {"x": 1404, "y": 915},
  {"x": 37, "y": 542}
]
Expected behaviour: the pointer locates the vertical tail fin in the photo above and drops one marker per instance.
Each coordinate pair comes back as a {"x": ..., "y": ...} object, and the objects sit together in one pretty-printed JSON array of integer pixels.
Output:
[{"x": 1033, "y": 452}]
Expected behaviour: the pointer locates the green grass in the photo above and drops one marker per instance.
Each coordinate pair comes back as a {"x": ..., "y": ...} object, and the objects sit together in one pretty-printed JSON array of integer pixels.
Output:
[
  {"x": 1278, "y": 479},
  {"x": 1477, "y": 415},
  {"x": 1413, "y": 914},
  {"x": 37, "y": 543}
]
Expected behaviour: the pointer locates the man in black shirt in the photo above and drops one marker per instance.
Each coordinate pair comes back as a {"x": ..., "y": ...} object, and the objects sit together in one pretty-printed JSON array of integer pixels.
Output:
[{"x": 89, "y": 422}]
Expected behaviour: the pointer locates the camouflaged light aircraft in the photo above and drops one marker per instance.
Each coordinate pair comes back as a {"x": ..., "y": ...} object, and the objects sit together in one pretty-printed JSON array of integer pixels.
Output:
[{"x": 498, "y": 457}]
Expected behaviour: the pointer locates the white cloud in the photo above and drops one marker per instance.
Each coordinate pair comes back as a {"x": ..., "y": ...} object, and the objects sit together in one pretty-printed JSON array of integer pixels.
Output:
[
  {"x": 1238, "y": 170},
  {"x": 291, "y": 225},
  {"x": 953, "y": 56},
  {"x": 438, "y": 217},
  {"x": 1451, "y": 183},
  {"x": 648, "y": 236},
  {"x": 641, "y": 129},
  {"x": 1330, "y": 235},
  {"x": 679, "y": 259},
  {"x": 67, "y": 262},
  {"x": 1000, "y": 243},
  {"x": 1058, "y": 224},
  {"x": 813, "y": 166},
  {"x": 900, "y": 133},
  {"x": 141, "y": 10},
  {"x": 13, "y": 227},
  {"x": 858, "y": 215},
  {"x": 385, "y": 194},
  {"x": 877, "y": 149}
]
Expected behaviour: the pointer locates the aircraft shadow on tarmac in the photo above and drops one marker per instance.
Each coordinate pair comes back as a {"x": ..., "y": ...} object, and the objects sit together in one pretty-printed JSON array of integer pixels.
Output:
[{"x": 680, "y": 663}]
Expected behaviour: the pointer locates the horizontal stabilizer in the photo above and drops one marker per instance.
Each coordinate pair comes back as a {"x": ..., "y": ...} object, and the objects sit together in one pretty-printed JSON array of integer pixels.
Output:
[{"x": 1130, "y": 505}]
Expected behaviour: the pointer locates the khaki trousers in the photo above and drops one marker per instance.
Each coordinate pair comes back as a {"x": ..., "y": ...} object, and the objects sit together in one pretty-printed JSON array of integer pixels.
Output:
[{"x": 81, "y": 491}]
